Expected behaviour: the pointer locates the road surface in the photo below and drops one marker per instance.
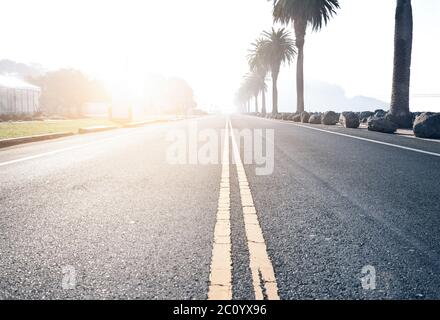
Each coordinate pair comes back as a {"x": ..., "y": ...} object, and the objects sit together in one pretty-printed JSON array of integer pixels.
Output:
[{"x": 346, "y": 214}]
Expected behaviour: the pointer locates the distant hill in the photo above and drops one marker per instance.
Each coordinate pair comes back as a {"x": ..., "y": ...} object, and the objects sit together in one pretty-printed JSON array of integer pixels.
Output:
[
  {"x": 361, "y": 103},
  {"x": 322, "y": 96}
]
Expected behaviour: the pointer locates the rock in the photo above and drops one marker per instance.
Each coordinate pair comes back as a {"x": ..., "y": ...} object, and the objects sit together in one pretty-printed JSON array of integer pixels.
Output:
[
  {"x": 416, "y": 114},
  {"x": 383, "y": 125},
  {"x": 296, "y": 115},
  {"x": 350, "y": 120},
  {"x": 365, "y": 115},
  {"x": 427, "y": 126},
  {"x": 286, "y": 116},
  {"x": 379, "y": 113},
  {"x": 405, "y": 121},
  {"x": 296, "y": 118},
  {"x": 330, "y": 118},
  {"x": 315, "y": 119},
  {"x": 305, "y": 117}
]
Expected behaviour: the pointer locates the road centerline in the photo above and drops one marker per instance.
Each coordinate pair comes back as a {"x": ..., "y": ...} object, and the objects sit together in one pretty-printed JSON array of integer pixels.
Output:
[
  {"x": 220, "y": 277},
  {"x": 263, "y": 275}
]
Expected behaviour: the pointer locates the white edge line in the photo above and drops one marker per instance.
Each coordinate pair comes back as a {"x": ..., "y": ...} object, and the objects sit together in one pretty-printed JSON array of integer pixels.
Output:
[
  {"x": 45, "y": 154},
  {"x": 360, "y": 138},
  {"x": 370, "y": 140}
]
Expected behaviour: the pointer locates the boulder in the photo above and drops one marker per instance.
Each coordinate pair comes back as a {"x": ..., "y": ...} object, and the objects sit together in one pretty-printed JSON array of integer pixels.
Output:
[
  {"x": 379, "y": 113},
  {"x": 305, "y": 116},
  {"x": 405, "y": 121},
  {"x": 350, "y": 120},
  {"x": 315, "y": 119},
  {"x": 286, "y": 116},
  {"x": 427, "y": 126},
  {"x": 416, "y": 114},
  {"x": 383, "y": 125},
  {"x": 330, "y": 118},
  {"x": 365, "y": 115},
  {"x": 295, "y": 115},
  {"x": 296, "y": 118}
]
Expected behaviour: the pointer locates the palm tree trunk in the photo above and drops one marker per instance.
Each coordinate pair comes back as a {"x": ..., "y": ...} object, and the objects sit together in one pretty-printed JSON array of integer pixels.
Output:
[
  {"x": 274, "y": 93},
  {"x": 256, "y": 103},
  {"x": 402, "y": 64},
  {"x": 300, "y": 34},
  {"x": 263, "y": 102}
]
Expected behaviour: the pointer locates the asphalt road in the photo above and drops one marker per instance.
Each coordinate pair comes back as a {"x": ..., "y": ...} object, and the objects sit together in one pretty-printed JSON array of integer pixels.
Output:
[{"x": 107, "y": 216}]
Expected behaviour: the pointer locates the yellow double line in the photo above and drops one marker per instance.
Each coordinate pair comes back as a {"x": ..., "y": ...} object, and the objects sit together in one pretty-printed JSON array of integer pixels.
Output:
[
  {"x": 263, "y": 275},
  {"x": 221, "y": 264}
]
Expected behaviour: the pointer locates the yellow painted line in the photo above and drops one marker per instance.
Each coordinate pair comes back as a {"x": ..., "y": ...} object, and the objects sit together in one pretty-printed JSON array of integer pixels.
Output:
[
  {"x": 220, "y": 277},
  {"x": 263, "y": 275}
]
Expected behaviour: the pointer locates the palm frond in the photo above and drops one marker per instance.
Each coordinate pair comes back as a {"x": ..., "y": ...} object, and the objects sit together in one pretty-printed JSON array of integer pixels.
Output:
[
  {"x": 316, "y": 13},
  {"x": 278, "y": 48}
]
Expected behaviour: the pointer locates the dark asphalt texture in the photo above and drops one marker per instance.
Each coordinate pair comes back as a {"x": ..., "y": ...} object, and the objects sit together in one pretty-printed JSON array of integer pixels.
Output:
[{"x": 135, "y": 227}]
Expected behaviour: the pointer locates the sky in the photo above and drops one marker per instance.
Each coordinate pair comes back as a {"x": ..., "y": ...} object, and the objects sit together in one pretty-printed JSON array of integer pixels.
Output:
[{"x": 206, "y": 43}]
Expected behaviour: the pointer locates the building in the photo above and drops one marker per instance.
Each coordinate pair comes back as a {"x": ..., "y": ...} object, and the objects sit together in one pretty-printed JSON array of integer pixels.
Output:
[{"x": 18, "y": 97}]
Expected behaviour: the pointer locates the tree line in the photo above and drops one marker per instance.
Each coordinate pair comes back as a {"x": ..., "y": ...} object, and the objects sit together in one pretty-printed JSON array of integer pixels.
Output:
[
  {"x": 68, "y": 92},
  {"x": 65, "y": 92},
  {"x": 277, "y": 47}
]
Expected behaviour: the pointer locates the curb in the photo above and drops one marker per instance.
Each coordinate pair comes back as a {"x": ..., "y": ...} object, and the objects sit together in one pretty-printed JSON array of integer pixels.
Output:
[
  {"x": 16, "y": 141},
  {"x": 141, "y": 123},
  {"x": 96, "y": 129},
  {"x": 144, "y": 123},
  {"x": 4, "y": 143}
]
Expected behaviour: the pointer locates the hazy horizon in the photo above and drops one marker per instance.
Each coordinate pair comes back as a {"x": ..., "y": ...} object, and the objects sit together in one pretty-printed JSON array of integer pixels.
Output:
[{"x": 119, "y": 44}]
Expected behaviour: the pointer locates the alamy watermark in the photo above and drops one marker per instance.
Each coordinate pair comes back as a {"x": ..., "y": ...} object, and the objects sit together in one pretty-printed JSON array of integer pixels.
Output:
[
  {"x": 202, "y": 147},
  {"x": 69, "y": 278},
  {"x": 369, "y": 278}
]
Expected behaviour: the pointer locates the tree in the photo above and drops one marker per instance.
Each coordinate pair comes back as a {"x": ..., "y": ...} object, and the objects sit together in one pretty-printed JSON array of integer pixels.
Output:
[
  {"x": 243, "y": 97},
  {"x": 259, "y": 65},
  {"x": 277, "y": 48},
  {"x": 403, "y": 38},
  {"x": 65, "y": 91},
  {"x": 178, "y": 96},
  {"x": 167, "y": 95},
  {"x": 255, "y": 84},
  {"x": 302, "y": 13}
]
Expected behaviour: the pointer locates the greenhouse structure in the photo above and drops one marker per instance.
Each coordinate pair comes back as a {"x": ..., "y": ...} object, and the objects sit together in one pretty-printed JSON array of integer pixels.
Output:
[{"x": 18, "y": 97}]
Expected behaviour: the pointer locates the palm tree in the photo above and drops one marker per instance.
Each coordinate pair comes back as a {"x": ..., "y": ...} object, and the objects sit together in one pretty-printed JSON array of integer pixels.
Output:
[
  {"x": 259, "y": 66},
  {"x": 402, "y": 64},
  {"x": 277, "y": 48},
  {"x": 254, "y": 84},
  {"x": 244, "y": 96},
  {"x": 302, "y": 13}
]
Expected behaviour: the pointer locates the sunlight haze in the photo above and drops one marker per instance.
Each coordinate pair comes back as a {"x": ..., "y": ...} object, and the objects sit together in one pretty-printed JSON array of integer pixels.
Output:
[{"x": 206, "y": 43}]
